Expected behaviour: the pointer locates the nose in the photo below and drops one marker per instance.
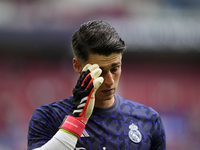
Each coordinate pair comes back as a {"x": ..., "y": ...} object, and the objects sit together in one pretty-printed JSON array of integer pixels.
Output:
[{"x": 108, "y": 79}]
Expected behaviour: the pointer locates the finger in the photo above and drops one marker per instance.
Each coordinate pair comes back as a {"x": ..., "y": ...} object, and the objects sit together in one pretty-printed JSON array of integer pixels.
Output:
[
  {"x": 97, "y": 83},
  {"x": 86, "y": 67},
  {"x": 96, "y": 73},
  {"x": 93, "y": 67},
  {"x": 90, "y": 67}
]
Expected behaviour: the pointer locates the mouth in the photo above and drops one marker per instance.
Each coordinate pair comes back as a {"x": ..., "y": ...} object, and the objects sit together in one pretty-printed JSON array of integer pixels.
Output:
[{"x": 108, "y": 92}]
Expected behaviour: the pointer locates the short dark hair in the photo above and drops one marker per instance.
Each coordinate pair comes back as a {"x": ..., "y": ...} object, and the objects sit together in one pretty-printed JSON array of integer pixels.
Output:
[{"x": 96, "y": 37}]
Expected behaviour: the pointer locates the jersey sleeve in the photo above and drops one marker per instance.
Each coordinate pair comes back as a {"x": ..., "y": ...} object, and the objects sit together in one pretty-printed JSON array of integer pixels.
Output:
[
  {"x": 159, "y": 137},
  {"x": 39, "y": 130},
  {"x": 43, "y": 125}
]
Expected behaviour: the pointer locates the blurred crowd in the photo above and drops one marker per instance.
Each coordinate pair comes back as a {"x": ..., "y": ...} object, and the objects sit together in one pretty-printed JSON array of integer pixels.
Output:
[{"x": 160, "y": 67}]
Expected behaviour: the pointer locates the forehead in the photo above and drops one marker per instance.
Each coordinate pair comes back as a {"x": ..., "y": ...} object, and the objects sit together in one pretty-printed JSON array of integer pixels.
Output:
[{"x": 104, "y": 61}]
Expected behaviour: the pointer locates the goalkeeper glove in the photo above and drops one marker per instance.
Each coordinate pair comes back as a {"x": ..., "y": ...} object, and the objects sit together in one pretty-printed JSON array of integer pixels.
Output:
[{"x": 83, "y": 99}]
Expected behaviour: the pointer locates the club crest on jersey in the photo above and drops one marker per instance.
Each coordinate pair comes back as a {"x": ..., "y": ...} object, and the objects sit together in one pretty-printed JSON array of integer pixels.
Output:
[{"x": 134, "y": 134}]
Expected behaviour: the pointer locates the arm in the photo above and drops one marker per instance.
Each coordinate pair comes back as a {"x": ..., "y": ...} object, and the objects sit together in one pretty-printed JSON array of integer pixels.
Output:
[
  {"x": 159, "y": 137},
  {"x": 60, "y": 141},
  {"x": 83, "y": 104}
]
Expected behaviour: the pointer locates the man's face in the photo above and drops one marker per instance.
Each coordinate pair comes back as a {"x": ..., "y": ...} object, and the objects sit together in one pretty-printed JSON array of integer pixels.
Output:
[{"x": 111, "y": 71}]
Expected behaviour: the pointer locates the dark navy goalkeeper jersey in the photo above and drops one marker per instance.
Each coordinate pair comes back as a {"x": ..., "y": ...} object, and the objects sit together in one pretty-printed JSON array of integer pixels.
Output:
[{"x": 127, "y": 125}]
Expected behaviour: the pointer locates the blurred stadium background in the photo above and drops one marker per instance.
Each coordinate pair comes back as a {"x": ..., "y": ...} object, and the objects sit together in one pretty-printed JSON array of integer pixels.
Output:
[{"x": 161, "y": 67}]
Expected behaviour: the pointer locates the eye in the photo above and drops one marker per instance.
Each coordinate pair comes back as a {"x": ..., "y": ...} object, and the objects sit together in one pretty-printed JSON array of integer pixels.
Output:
[{"x": 115, "y": 69}]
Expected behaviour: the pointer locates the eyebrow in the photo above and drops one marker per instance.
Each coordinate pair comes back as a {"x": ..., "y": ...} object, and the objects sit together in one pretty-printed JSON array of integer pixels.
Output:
[{"x": 113, "y": 65}]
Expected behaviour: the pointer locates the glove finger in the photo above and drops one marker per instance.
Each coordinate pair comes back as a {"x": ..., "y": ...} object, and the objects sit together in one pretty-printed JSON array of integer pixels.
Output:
[
  {"x": 90, "y": 67},
  {"x": 97, "y": 83},
  {"x": 96, "y": 73},
  {"x": 93, "y": 67},
  {"x": 86, "y": 67}
]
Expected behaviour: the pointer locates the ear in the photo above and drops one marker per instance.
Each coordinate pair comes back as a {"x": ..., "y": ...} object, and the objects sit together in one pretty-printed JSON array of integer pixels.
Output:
[{"x": 77, "y": 66}]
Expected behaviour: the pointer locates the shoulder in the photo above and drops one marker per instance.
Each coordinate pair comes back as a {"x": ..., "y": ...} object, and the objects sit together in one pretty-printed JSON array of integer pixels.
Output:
[
  {"x": 137, "y": 109},
  {"x": 53, "y": 112},
  {"x": 64, "y": 105},
  {"x": 45, "y": 121}
]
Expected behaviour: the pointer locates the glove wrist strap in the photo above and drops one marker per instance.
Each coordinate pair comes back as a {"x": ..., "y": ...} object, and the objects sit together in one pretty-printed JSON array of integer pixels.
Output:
[{"x": 73, "y": 125}]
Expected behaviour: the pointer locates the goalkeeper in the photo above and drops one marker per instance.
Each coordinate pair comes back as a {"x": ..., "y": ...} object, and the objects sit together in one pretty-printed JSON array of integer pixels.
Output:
[{"x": 95, "y": 117}]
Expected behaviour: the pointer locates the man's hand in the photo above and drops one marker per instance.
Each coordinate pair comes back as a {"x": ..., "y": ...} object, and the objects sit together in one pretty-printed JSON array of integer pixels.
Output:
[
  {"x": 84, "y": 92},
  {"x": 83, "y": 99}
]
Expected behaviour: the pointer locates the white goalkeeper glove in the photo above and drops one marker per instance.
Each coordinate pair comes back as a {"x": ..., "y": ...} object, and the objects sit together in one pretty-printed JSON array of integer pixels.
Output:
[{"x": 83, "y": 99}]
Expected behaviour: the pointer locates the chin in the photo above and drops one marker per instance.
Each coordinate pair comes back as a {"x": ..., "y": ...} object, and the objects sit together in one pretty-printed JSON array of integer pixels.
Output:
[{"x": 107, "y": 98}]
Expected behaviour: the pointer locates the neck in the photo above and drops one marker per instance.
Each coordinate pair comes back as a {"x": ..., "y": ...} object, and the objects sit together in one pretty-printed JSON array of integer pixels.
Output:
[{"x": 104, "y": 103}]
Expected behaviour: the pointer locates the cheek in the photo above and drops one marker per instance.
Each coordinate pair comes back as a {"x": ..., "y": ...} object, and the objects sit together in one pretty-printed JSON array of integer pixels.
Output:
[{"x": 116, "y": 77}]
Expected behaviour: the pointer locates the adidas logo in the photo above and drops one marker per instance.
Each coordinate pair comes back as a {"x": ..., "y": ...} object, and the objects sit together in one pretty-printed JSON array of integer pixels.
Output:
[{"x": 85, "y": 134}]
